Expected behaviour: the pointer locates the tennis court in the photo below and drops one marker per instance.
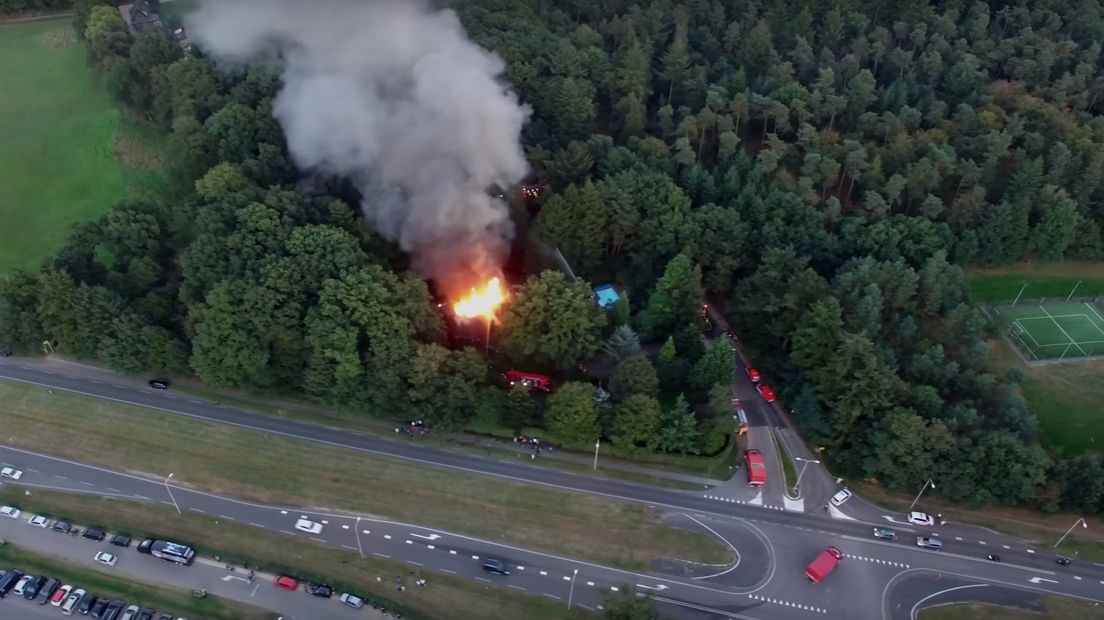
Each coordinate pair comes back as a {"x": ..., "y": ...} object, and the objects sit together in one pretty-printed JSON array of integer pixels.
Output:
[{"x": 1055, "y": 330}]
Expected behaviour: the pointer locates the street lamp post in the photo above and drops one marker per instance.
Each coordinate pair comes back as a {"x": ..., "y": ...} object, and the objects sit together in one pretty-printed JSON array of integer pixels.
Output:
[
  {"x": 927, "y": 484},
  {"x": 1080, "y": 520},
  {"x": 597, "y": 443},
  {"x": 802, "y": 472},
  {"x": 171, "y": 495},
  {"x": 357, "y": 532},
  {"x": 571, "y": 592}
]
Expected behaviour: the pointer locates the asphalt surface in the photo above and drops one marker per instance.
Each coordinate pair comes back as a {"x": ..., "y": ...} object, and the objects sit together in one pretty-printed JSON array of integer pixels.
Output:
[{"x": 774, "y": 545}]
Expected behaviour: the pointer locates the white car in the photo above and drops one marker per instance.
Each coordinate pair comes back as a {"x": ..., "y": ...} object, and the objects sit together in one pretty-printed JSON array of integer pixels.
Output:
[
  {"x": 308, "y": 526},
  {"x": 64, "y": 591},
  {"x": 71, "y": 602},
  {"x": 10, "y": 512},
  {"x": 39, "y": 521},
  {"x": 131, "y": 612},
  {"x": 352, "y": 600},
  {"x": 106, "y": 558},
  {"x": 921, "y": 518},
  {"x": 11, "y": 472},
  {"x": 841, "y": 497},
  {"x": 18, "y": 589}
]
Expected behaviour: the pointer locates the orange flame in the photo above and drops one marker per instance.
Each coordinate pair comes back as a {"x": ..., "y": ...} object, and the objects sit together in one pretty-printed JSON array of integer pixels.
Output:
[{"x": 482, "y": 301}]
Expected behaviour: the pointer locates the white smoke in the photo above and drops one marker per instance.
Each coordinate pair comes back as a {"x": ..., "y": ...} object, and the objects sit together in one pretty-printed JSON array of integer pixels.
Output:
[{"x": 394, "y": 95}]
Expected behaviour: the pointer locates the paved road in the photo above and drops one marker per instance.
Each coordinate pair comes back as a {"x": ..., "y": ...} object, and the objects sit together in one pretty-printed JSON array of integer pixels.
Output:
[{"x": 776, "y": 544}]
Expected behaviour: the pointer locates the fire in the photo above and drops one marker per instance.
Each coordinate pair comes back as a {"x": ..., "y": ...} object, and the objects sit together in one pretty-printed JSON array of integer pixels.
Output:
[{"x": 482, "y": 301}]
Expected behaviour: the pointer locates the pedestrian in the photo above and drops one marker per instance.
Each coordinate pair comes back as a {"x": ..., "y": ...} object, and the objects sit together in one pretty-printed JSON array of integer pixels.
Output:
[{"x": 533, "y": 456}]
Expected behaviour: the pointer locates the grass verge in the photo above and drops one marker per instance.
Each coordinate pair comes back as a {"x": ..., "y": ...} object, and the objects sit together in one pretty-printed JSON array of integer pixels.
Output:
[
  {"x": 447, "y": 597},
  {"x": 788, "y": 471},
  {"x": 267, "y": 468},
  {"x": 142, "y": 594},
  {"x": 1043, "y": 280},
  {"x": 1055, "y": 608}
]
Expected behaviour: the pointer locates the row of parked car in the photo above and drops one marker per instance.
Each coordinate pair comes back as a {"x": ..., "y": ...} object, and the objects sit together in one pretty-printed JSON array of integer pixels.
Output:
[{"x": 70, "y": 599}]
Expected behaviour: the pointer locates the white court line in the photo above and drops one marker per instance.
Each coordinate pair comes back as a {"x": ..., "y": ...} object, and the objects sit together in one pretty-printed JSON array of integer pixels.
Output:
[{"x": 1064, "y": 332}]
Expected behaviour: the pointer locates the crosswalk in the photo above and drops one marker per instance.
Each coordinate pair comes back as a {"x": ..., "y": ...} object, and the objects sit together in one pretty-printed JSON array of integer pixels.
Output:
[
  {"x": 775, "y": 601},
  {"x": 876, "y": 560},
  {"x": 757, "y": 501}
]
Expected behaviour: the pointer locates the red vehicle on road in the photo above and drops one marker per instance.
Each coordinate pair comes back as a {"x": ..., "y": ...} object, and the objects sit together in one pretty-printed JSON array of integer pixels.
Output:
[
  {"x": 824, "y": 563},
  {"x": 285, "y": 582},
  {"x": 756, "y": 468},
  {"x": 766, "y": 392},
  {"x": 752, "y": 374},
  {"x": 532, "y": 381}
]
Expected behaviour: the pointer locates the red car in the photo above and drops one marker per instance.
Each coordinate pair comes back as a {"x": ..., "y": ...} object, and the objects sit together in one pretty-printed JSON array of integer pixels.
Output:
[
  {"x": 766, "y": 392},
  {"x": 285, "y": 582},
  {"x": 753, "y": 374}
]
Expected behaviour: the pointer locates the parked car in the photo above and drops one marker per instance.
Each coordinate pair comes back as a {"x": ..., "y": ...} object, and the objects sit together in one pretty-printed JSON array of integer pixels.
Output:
[
  {"x": 10, "y": 512},
  {"x": 11, "y": 473},
  {"x": 320, "y": 590},
  {"x": 766, "y": 392},
  {"x": 61, "y": 526},
  {"x": 921, "y": 518},
  {"x": 113, "y": 610},
  {"x": 8, "y": 581},
  {"x": 106, "y": 558},
  {"x": 145, "y": 613},
  {"x": 286, "y": 582},
  {"x": 99, "y": 606},
  {"x": 48, "y": 590},
  {"x": 159, "y": 384},
  {"x": 32, "y": 588},
  {"x": 752, "y": 374},
  {"x": 840, "y": 497},
  {"x": 885, "y": 533},
  {"x": 308, "y": 526},
  {"x": 39, "y": 521},
  {"x": 94, "y": 533},
  {"x": 494, "y": 565},
  {"x": 21, "y": 585},
  {"x": 165, "y": 617},
  {"x": 70, "y": 604},
  {"x": 60, "y": 595},
  {"x": 144, "y": 546},
  {"x": 5, "y": 352},
  {"x": 351, "y": 600},
  {"x": 87, "y": 601},
  {"x": 120, "y": 540}
]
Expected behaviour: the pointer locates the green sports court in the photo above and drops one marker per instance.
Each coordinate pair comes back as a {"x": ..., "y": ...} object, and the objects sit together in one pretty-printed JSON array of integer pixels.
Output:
[{"x": 1055, "y": 330}]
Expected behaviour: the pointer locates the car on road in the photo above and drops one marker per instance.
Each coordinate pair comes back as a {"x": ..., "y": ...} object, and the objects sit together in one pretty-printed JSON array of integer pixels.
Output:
[
  {"x": 494, "y": 565},
  {"x": 1063, "y": 561},
  {"x": 766, "y": 392},
  {"x": 5, "y": 352},
  {"x": 159, "y": 384},
  {"x": 106, "y": 558},
  {"x": 823, "y": 564},
  {"x": 993, "y": 557},
  {"x": 929, "y": 542},
  {"x": 94, "y": 533},
  {"x": 70, "y": 604},
  {"x": 39, "y": 521},
  {"x": 286, "y": 582},
  {"x": 21, "y": 585},
  {"x": 120, "y": 540},
  {"x": 885, "y": 533},
  {"x": 10, "y": 512},
  {"x": 11, "y": 473},
  {"x": 62, "y": 526},
  {"x": 752, "y": 374},
  {"x": 921, "y": 518},
  {"x": 59, "y": 597},
  {"x": 320, "y": 590},
  {"x": 308, "y": 526},
  {"x": 351, "y": 600},
  {"x": 840, "y": 497}
]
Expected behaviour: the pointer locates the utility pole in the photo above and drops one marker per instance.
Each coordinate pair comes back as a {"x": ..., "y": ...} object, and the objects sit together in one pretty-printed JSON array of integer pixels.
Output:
[
  {"x": 171, "y": 495},
  {"x": 802, "y": 473},
  {"x": 927, "y": 484},
  {"x": 1080, "y": 520},
  {"x": 359, "y": 548},
  {"x": 597, "y": 443},
  {"x": 571, "y": 592},
  {"x": 1074, "y": 290}
]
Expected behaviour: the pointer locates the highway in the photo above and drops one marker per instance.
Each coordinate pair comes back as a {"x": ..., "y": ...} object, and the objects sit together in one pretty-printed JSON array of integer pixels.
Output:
[{"x": 876, "y": 579}]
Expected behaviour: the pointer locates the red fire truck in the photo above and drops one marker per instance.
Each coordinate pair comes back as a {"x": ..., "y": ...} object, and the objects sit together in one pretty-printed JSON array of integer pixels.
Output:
[
  {"x": 756, "y": 468},
  {"x": 823, "y": 564},
  {"x": 532, "y": 381}
]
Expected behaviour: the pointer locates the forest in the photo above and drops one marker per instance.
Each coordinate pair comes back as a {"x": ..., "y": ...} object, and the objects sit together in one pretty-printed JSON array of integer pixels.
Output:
[{"x": 822, "y": 171}]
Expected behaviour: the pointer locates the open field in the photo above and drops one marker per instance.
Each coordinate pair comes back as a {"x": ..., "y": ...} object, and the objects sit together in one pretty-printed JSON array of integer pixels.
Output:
[
  {"x": 65, "y": 154},
  {"x": 1043, "y": 280},
  {"x": 143, "y": 594},
  {"x": 1057, "y": 608},
  {"x": 448, "y": 598},
  {"x": 272, "y": 469}
]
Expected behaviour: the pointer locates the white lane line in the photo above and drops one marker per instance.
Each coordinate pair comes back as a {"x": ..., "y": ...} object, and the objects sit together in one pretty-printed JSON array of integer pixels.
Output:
[
  {"x": 590, "y": 583},
  {"x": 475, "y": 557},
  {"x": 410, "y": 542},
  {"x": 1006, "y": 546},
  {"x": 60, "y": 476},
  {"x": 520, "y": 567},
  {"x": 566, "y": 578},
  {"x": 34, "y": 470},
  {"x": 981, "y": 542},
  {"x": 96, "y": 382},
  {"x": 113, "y": 490},
  {"x": 382, "y": 555},
  {"x": 115, "y": 385},
  {"x": 544, "y": 573},
  {"x": 318, "y": 539},
  {"x": 518, "y": 588},
  {"x": 202, "y": 512},
  {"x": 452, "y": 551},
  {"x": 387, "y": 537},
  {"x": 287, "y": 532},
  {"x": 445, "y": 570},
  {"x": 166, "y": 502},
  {"x": 350, "y": 548},
  {"x": 431, "y": 546},
  {"x": 414, "y": 563},
  {"x": 256, "y": 525},
  {"x": 227, "y": 517},
  {"x": 482, "y": 579},
  {"x": 552, "y": 596},
  {"x": 88, "y": 483},
  {"x": 344, "y": 527},
  {"x": 615, "y": 589}
]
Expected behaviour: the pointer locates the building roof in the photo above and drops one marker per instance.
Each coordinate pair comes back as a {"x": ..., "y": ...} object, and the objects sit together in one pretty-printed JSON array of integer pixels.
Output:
[{"x": 607, "y": 297}]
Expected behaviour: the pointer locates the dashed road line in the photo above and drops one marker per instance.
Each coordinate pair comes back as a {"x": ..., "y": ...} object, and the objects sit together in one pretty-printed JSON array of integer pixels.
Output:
[
  {"x": 518, "y": 588},
  {"x": 553, "y": 596},
  {"x": 544, "y": 573},
  {"x": 59, "y": 476},
  {"x": 349, "y": 547},
  {"x": 256, "y": 525},
  {"x": 483, "y": 579},
  {"x": 287, "y": 532},
  {"x": 783, "y": 603},
  {"x": 113, "y": 490},
  {"x": 87, "y": 483},
  {"x": 878, "y": 561},
  {"x": 382, "y": 555},
  {"x": 452, "y": 551},
  {"x": 566, "y": 578},
  {"x": 202, "y": 512},
  {"x": 318, "y": 539},
  {"x": 227, "y": 517},
  {"x": 590, "y": 583},
  {"x": 414, "y": 563},
  {"x": 445, "y": 570}
]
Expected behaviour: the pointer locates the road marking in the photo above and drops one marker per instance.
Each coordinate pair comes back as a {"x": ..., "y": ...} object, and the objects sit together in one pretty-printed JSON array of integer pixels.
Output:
[
  {"x": 287, "y": 532},
  {"x": 431, "y": 546},
  {"x": 877, "y": 561},
  {"x": 783, "y": 603},
  {"x": 350, "y": 548},
  {"x": 981, "y": 542},
  {"x": 1006, "y": 546},
  {"x": 33, "y": 470},
  {"x": 414, "y": 563},
  {"x": 318, "y": 539},
  {"x": 93, "y": 381},
  {"x": 113, "y": 490},
  {"x": 60, "y": 476},
  {"x": 566, "y": 578},
  {"x": 1077, "y": 578},
  {"x": 382, "y": 555},
  {"x": 553, "y": 596},
  {"x": 475, "y": 557},
  {"x": 445, "y": 570},
  {"x": 452, "y": 551},
  {"x": 519, "y": 567},
  {"x": 615, "y": 589},
  {"x": 88, "y": 483},
  {"x": 426, "y": 537},
  {"x": 1031, "y": 551},
  {"x": 365, "y": 532},
  {"x": 409, "y": 542},
  {"x": 195, "y": 402},
  {"x": 483, "y": 579},
  {"x": 256, "y": 525},
  {"x": 283, "y": 512},
  {"x": 228, "y": 518},
  {"x": 544, "y": 573},
  {"x": 167, "y": 503},
  {"x": 1040, "y": 580},
  {"x": 121, "y": 387},
  {"x": 387, "y": 536},
  {"x": 344, "y": 527},
  {"x": 958, "y": 538},
  {"x": 590, "y": 583},
  {"x": 202, "y": 512},
  {"x": 518, "y": 588}
]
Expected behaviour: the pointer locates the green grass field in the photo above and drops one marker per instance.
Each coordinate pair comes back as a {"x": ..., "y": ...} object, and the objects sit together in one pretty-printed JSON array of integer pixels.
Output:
[
  {"x": 1043, "y": 280},
  {"x": 65, "y": 154},
  {"x": 251, "y": 464},
  {"x": 1055, "y": 330},
  {"x": 1054, "y": 608}
]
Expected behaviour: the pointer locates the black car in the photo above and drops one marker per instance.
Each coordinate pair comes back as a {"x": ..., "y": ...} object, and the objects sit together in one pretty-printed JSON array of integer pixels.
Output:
[
  {"x": 159, "y": 384},
  {"x": 86, "y": 603},
  {"x": 144, "y": 546},
  {"x": 94, "y": 533},
  {"x": 48, "y": 590},
  {"x": 145, "y": 613},
  {"x": 1063, "y": 561},
  {"x": 30, "y": 591},
  {"x": 5, "y": 352},
  {"x": 492, "y": 565},
  {"x": 320, "y": 589},
  {"x": 120, "y": 540},
  {"x": 165, "y": 617},
  {"x": 98, "y": 608},
  {"x": 8, "y": 581},
  {"x": 113, "y": 610},
  {"x": 61, "y": 526}
]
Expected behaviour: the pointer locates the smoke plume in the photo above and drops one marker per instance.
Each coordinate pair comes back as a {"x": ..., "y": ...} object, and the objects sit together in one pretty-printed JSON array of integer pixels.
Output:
[{"x": 392, "y": 94}]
